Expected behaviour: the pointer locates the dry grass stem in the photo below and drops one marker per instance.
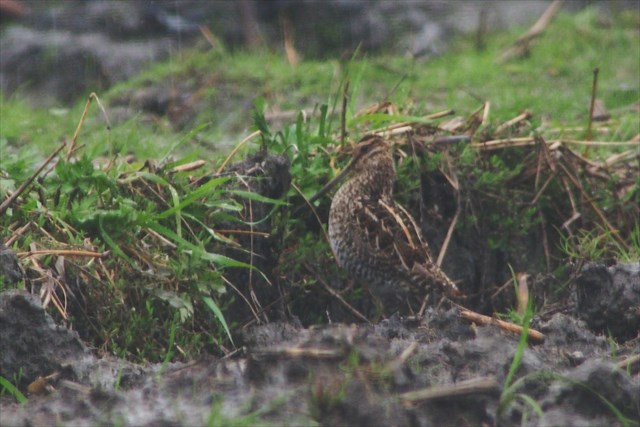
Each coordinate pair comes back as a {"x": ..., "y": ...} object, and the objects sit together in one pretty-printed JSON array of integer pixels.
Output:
[
  {"x": 521, "y": 47},
  {"x": 486, "y": 385},
  {"x": 62, "y": 252},
  {"x": 235, "y": 150},
  {"x": 481, "y": 319},
  {"x": 9, "y": 200},
  {"x": 295, "y": 352},
  {"x": 188, "y": 167},
  {"x": 342, "y": 301}
]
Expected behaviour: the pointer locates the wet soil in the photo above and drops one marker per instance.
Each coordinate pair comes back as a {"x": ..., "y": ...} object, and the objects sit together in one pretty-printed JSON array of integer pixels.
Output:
[{"x": 434, "y": 371}]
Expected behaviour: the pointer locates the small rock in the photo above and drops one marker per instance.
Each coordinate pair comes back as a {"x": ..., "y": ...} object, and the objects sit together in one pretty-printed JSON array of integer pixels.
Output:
[
  {"x": 581, "y": 391},
  {"x": 32, "y": 344},
  {"x": 609, "y": 299},
  {"x": 10, "y": 270}
]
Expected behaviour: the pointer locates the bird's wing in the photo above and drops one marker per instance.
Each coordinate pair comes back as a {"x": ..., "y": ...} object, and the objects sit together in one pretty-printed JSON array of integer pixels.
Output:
[
  {"x": 391, "y": 232},
  {"x": 394, "y": 239}
]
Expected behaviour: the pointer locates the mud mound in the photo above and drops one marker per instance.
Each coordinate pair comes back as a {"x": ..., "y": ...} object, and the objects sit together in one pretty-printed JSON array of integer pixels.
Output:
[
  {"x": 440, "y": 370},
  {"x": 609, "y": 299},
  {"x": 32, "y": 345}
]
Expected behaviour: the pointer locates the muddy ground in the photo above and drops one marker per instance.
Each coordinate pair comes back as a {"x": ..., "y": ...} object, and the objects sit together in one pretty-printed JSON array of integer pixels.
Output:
[{"x": 439, "y": 370}]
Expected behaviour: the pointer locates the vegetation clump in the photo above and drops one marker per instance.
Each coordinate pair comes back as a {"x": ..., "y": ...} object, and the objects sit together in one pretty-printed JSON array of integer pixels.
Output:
[{"x": 161, "y": 255}]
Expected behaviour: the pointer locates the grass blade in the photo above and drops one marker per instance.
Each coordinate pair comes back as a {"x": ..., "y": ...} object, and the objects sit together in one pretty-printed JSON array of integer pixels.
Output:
[
  {"x": 6, "y": 385},
  {"x": 218, "y": 313}
]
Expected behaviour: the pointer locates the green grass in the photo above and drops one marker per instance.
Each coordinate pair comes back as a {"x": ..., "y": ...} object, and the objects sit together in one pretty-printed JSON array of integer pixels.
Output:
[
  {"x": 116, "y": 211},
  {"x": 510, "y": 387},
  {"x": 218, "y": 416},
  {"x": 597, "y": 244},
  {"x": 8, "y": 387},
  {"x": 554, "y": 82}
]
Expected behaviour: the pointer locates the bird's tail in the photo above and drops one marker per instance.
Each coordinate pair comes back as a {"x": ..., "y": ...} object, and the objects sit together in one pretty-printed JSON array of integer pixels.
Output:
[{"x": 432, "y": 273}]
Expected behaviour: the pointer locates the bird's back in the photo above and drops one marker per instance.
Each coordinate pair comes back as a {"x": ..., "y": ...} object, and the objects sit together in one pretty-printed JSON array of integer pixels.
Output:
[{"x": 375, "y": 239}]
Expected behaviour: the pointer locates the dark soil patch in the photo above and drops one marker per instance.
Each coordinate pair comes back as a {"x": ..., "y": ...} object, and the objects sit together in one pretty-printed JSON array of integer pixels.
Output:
[{"x": 440, "y": 370}]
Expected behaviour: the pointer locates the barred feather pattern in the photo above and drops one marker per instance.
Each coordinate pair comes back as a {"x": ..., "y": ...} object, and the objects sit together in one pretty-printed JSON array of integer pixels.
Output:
[{"x": 375, "y": 239}]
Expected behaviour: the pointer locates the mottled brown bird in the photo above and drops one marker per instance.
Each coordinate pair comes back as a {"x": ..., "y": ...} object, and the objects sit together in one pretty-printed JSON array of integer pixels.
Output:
[{"x": 375, "y": 239}]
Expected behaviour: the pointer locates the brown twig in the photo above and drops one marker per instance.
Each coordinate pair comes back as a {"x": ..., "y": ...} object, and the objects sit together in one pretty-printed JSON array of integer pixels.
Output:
[
  {"x": 485, "y": 113},
  {"x": 481, "y": 319},
  {"x": 342, "y": 301},
  {"x": 309, "y": 352},
  {"x": 19, "y": 232},
  {"x": 49, "y": 286},
  {"x": 404, "y": 127},
  {"x": 572, "y": 201},
  {"x": 5, "y": 205},
  {"x": 614, "y": 232},
  {"x": 439, "y": 114},
  {"x": 544, "y": 186},
  {"x": 501, "y": 288},
  {"x": 188, "y": 167},
  {"x": 402, "y": 358},
  {"x": 213, "y": 41},
  {"x": 521, "y": 46},
  {"x": 520, "y": 117},
  {"x": 166, "y": 242},
  {"x": 394, "y": 88},
  {"x": 485, "y": 385},
  {"x": 601, "y": 143},
  {"x": 92, "y": 96},
  {"x": 61, "y": 252},
  {"x": 238, "y": 231},
  {"x": 524, "y": 141},
  {"x": 251, "y": 307},
  {"x": 343, "y": 113},
  {"x": 293, "y": 58},
  {"x": 545, "y": 240},
  {"x": 594, "y": 88},
  {"x": 615, "y": 158},
  {"x": 541, "y": 146},
  {"x": 77, "y": 387},
  {"x": 453, "y": 180},
  {"x": 235, "y": 150}
]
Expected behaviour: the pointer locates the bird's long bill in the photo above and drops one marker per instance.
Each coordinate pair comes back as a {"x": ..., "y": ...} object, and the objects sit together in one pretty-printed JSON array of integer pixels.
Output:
[{"x": 329, "y": 185}]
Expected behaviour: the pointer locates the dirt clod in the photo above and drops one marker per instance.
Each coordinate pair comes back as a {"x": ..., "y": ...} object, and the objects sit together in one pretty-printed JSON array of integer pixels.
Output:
[
  {"x": 32, "y": 344},
  {"x": 609, "y": 299},
  {"x": 10, "y": 271}
]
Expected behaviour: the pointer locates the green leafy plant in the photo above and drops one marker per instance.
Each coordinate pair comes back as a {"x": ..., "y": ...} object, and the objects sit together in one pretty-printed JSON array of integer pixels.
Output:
[
  {"x": 122, "y": 212},
  {"x": 218, "y": 417},
  {"x": 598, "y": 244},
  {"x": 510, "y": 387},
  {"x": 7, "y": 387}
]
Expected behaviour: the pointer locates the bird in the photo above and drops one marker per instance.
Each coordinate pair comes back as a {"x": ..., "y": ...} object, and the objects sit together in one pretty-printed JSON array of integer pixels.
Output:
[{"x": 374, "y": 238}]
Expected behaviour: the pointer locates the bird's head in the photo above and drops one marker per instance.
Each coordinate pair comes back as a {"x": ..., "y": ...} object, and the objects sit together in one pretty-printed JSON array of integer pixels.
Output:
[{"x": 368, "y": 153}]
